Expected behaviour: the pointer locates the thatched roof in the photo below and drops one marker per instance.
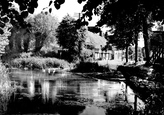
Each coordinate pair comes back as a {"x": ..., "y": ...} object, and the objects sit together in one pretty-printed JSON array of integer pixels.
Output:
[{"x": 95, "y": 40}]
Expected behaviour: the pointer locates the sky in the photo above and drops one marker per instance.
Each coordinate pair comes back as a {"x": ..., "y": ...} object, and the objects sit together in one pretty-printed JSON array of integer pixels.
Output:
[{"x": 69, "y": 7}]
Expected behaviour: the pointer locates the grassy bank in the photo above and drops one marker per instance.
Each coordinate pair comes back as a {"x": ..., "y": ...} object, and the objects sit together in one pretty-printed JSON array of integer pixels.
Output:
[
  {"x": 5, "y": 88},
  {"x": 38, "y": 63}
]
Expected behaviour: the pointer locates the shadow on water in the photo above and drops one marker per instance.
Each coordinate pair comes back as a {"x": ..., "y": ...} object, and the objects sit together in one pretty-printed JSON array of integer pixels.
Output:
[{"x": 63, "y": 94}]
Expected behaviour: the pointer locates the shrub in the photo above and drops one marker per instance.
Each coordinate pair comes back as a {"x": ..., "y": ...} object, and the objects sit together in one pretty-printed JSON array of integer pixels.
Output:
[
  {"x": 5, "y": 88},
  {"x": 4, "y": 80},
  {"x": 120, "y": 109},
  {"x": 49, "y": 52},
  {"x": 39, "y": 63},
  {"x": 25, "y": 55},
  {"x": 54, "y": 62},
  {"x": 90, "y": 67},
  {"x": 87, "y": 55},
  {"x": 17, "y": 63}
]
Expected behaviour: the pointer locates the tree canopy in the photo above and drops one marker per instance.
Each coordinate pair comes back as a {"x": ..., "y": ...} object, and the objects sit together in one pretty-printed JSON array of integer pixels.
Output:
[
  {"x": 69, "y": 37},
  {"x": 43, "y": 26},
  {"x": 15, "y": 15},
  {"x": 111, "y": 12}
]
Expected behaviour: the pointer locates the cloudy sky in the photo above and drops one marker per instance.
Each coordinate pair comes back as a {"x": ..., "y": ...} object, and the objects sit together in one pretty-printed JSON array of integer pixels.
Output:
[{"x": 69, "y": 7}]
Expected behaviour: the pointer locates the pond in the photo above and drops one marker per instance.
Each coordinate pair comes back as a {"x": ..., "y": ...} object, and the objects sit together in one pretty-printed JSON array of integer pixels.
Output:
[{"x": 67, "y": 93}]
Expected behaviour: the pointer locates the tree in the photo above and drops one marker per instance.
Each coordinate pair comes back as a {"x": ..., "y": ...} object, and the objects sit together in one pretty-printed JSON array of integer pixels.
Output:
[
  {"x": 14, "y": 15},
  {"x": 18, "y": 40},
  {"x": 112, "y": 10},
  {"x": 142, "y": 12},
  {"x": 127, "y": 34},
  {"x": 109, "y": 10},
  {"x": 4, "y": 38},
  {"x": 71, "y": 38},
  {"x": 124, "y": 35},
  {"x": 43, "y": 26}
]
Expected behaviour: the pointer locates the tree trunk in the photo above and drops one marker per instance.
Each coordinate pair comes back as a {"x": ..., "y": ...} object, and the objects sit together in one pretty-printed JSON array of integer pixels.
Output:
[
  {"x": 146, "y": 41},
  {"x": 38, "y": 46},
  {"x": 79, "y": 53},
  {"x": 26, "y": 44},
  {"x": 12, "y": 39},
  {"x": 136, "y": 48},
  {"x": 38, "y": 43},
  {"x": 37, "y": 49},
  {"x": 126, "y": 55},
  {"x": 18, "y": 42}
]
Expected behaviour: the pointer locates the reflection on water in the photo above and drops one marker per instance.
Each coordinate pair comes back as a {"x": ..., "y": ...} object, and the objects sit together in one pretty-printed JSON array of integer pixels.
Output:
[
  {"x": 39, "y": 93},
  {"x": 93, "y": 111},
  {"x": 31, "y": 86}
]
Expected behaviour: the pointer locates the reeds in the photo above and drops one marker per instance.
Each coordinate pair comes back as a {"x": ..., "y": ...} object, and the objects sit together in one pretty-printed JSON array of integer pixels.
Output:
[{"x": 38, "y": 63}]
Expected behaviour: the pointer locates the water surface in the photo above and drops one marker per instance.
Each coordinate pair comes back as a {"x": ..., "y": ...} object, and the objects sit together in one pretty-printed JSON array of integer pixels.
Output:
[{"x": 67, "y": 93}]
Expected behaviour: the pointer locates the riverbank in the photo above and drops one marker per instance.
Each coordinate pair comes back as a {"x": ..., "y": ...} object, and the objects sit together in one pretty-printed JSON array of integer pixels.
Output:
[
  {"x": 112, "y": 75},
  {"x": 38, "y": 63},
  {"x": 5, "y": 83},
  {"x": 148, "y": 83},
  {"x": 99, "y": 70},
  {"x": 55, "y": 65}
]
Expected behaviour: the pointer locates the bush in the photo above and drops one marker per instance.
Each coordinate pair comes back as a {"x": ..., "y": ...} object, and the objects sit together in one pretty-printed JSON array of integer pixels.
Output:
[
  {"x": 90, "y": 67},
  {"x": 5, "y": 88},
  {"x": 49, "y": 52},
  {"x": 25, "y": 55},
  {"x": 38, "y": 63},
  {"x": 120, "y": 109},
  {"x": 4, "y": 79},
  {"x": 87, "y": 55}
]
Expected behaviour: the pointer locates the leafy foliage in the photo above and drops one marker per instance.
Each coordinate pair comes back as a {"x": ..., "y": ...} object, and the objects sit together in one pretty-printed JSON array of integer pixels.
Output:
[
  {"x": 18, "y": 40},
  {"x": 13, "y": 12},
  {"x": 87, "y": 55},
  {"x": 15, "y": 15},
  {"x": 44, "y": 28},
  {"x": 71, "y": 38},
  {"x": 38, "y": 62},
  {"x": 86, "y": 67},
  {"x": 5, "y": 89},
  {"x": 148, "y": 86},
  {"x": 140, "y": 12},
  {"x": 4, "y": 38},
  {"x": 4, "y": 80}
]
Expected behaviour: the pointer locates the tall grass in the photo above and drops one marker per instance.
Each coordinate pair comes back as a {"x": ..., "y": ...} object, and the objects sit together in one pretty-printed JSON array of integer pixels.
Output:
[
  {"x": 5, "y": 88},
  {"x": 38, "y": 63}
]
